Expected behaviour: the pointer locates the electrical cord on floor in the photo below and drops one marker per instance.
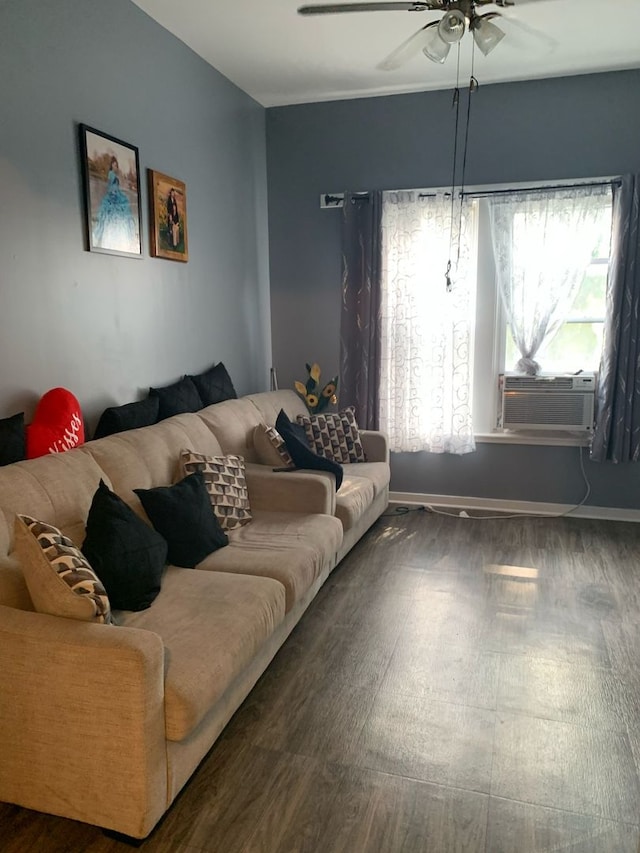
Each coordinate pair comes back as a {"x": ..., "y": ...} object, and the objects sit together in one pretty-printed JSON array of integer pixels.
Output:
[{"x": 404, "y": 510}]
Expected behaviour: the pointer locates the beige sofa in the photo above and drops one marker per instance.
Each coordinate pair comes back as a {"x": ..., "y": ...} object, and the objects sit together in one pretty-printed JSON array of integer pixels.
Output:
[{"x": 105, "y": 724}]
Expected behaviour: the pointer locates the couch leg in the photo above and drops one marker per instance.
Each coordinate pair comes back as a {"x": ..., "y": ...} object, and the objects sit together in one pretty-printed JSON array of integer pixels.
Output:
[{"x": 125, "y": 839}]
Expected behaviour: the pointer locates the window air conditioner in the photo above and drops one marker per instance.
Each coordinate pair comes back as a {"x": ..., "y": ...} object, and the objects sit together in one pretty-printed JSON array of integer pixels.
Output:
[{"x": 547, "y": 402}]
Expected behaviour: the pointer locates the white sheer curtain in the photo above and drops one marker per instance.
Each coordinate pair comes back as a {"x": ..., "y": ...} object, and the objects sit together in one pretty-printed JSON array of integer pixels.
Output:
[
  {"x": 542, "y": 243},
  {"x": 427, "y": 331}
]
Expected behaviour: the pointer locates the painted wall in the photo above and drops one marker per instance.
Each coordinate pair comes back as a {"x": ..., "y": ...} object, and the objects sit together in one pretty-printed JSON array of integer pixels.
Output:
[
  {"x": 109, "y": 327},
  {"x": 547, "y": 129}
]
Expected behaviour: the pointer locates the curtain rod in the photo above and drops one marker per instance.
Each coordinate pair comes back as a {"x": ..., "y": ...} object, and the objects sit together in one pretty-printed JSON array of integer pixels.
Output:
[
  {"x": 614, "y": 182},
  {"x": 337, "y": 199}
]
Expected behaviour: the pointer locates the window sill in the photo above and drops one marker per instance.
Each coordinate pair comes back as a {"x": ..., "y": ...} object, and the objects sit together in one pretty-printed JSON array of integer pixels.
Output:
[{"x": 549, "y": 439}]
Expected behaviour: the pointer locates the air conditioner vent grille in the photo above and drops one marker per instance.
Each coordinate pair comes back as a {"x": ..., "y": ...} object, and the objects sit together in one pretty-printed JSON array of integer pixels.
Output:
[
  {"x": 548, "y": 403},
  {"x": 534, "y": 383}
]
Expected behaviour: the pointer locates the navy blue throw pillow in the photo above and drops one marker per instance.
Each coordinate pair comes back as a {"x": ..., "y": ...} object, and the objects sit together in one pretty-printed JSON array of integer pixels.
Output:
[
  {"x": 127, "y": 555},
  {"x": 295, "y": 439},
  {"x": 183, "y": 515},
  {"x": 130, "y": 416},
  {"x": 214, "y": 385},
  {"x": 12, "y": 440},
  {"x": 181, "y": 396}
]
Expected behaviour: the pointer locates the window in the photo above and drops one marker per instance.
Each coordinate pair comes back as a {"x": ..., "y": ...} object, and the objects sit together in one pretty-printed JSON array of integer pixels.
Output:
[
  {"x": 578, "y": 342},
  {"x": 529, "y": 284}
]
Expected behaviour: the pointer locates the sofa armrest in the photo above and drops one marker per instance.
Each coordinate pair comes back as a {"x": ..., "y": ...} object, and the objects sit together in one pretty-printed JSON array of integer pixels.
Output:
[
  {"x": 291, "y": 491},
  {"x": 82, "y": 731},
  {"x": 376, "y": 445}
]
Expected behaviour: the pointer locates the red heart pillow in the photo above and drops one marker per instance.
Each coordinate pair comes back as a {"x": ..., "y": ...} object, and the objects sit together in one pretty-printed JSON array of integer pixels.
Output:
[{"x": 57, "y": 424}]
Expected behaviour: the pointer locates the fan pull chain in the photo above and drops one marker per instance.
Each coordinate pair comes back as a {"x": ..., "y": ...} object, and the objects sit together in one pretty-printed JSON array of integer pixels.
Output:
[
  {"x": 455, "y": 105},
  {"x": 473, "y": 87}
]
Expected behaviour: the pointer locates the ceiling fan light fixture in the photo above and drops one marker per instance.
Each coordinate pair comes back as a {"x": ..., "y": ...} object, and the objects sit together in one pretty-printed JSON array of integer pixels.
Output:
[
  {"x": 452, "y": 26},
  {"x": 435, "y": 49},
  {"x": 486, "y": 35}
]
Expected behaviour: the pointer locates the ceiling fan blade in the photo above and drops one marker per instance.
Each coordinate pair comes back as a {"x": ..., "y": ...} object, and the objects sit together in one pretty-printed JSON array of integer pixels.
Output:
[
  {"x": 521, "y": 35},
  {"x": 412, "y": 46},
  {"x": 398, "y": 6}
]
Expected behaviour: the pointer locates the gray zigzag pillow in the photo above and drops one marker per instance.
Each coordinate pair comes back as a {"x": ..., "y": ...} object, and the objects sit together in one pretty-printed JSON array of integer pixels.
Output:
[{"x": 334, "y": 435}]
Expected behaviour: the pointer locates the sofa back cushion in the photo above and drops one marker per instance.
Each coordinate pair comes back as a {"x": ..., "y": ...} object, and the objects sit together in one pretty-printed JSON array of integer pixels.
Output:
[
  {"x": 149, "y": 457},
  {"x": 232, "y": 422},
  {"x": 269, "y": 403},
  {"x": 57, "y": 489}
]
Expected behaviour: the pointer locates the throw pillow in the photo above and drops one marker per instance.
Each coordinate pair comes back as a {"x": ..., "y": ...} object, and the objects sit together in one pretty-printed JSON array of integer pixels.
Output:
[
  {"x": 182, "y": 514},
  {"x": 181, "y": 396},
  {"x": 130, "y": 416},
  {"x": 301, "y": 454},
  {"x": 334, "y": 435},
  {"x": 12, "y": 439},
  {"x": 60, "y": 580},
  {"x": 270, "y": 447},
  {"x": 214, "y": 385},
  {"x": 224, "y": 478},
  {"x": 127, "y": 555},
  {"x": 57, "y": 424}
]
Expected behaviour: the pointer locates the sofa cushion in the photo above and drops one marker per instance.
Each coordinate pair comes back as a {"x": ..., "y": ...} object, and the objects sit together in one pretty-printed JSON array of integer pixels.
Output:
[
  {"x": 214, "y": 385},
  {"x": 130, "y": 416},
  {"x": 226, "y": 484},
  {"x": 269, "y": 403},
  {"x": 128, "y": 555},
  {"x": 182, "y": 515},
  {"x": 378, "y": 473},
  {"x": 292, "y": 548},
  {"x": 212, "y": 625},
  {"x": 233, "y": 423},
  {"x": 150, "y": 457},
  {"x": 353, "y": 500},
  {"x": 334, "y": 435},
  {"x": 60, "y": 580},
  {"x": 270, "y": 447},
  {"x": 12, "y": 439},
  {"x": 177, "y": 398}
]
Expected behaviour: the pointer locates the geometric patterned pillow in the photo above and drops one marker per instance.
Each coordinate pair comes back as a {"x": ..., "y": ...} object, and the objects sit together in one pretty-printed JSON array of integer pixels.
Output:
[
  {"x": 334, "y": 435},
  {"x": 60, "y": 580},
  {"x": 270, "y": 447},
  {"x": 224, "y": 477}
]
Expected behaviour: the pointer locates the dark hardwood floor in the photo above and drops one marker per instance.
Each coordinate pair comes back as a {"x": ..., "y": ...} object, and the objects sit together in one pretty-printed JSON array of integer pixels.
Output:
[{"x": 457, "y": 685}]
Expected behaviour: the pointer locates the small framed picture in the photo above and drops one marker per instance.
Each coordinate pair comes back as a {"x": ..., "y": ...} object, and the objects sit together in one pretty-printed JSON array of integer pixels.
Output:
[
  {"x": 168, "y": 211},
  {"x": 111, "y": 175}
]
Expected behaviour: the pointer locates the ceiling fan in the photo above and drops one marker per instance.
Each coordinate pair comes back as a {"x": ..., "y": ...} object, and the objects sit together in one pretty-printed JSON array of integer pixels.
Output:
[{"x": 435, "y": 39}]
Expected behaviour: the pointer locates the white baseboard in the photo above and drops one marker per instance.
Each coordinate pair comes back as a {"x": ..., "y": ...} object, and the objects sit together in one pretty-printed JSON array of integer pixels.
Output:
[{"x": 491, "y": 505}]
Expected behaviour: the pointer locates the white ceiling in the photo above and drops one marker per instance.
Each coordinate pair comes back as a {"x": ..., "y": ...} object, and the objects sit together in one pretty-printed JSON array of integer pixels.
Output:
[{"x": 279, "y": 57}]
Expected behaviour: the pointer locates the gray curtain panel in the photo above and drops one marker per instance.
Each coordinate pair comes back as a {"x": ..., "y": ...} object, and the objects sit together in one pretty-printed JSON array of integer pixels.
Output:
[
  {"x": 617, "y": 431},
  {"x": 360, "y": 316}
]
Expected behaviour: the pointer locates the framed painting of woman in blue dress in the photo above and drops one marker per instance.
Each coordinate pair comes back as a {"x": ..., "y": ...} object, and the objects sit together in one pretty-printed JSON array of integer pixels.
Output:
[
  {"x": 168, "y": 210},
  {"x": 111, "y": 173}
]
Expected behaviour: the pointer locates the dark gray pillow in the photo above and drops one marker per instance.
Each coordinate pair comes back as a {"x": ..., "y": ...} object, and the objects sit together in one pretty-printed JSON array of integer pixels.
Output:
[
  {"x": 12, "y": 439},
  {"x": 295, "y": 439},
  {"x": 181, "y": 396},
  {"x": 127, "y": 555},
  {"x": 130, "y": 416},
  {"x": 214, "y": 385},
  {"x": 183, "y": 515}
]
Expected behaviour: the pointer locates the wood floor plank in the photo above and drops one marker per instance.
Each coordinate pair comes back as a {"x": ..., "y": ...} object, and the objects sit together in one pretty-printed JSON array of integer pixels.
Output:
[
  {"x": 562, "y": 765},
  {"x": 432, "y": 741},
  {"x": 516, "y": 827}
]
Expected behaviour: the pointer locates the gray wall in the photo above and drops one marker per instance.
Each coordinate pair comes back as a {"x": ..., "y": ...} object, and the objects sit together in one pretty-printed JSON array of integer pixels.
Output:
[
  {"x": 562, "y": 128},
  {"x": 108, "y": 327}
]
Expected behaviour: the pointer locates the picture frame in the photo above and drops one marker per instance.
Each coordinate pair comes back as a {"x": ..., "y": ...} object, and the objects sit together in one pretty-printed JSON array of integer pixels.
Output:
[
  {"x": 111, "y": 178},
  {"x": 168, "y": 217}
]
